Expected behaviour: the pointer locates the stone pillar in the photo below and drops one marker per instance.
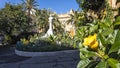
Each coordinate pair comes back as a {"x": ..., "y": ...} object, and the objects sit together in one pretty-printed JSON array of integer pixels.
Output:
[{"x": 50, "y": 30}]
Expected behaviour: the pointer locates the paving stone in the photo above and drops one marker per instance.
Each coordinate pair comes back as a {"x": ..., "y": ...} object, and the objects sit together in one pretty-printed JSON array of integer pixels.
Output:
[
  {"x": 39, "y": 60},
  {"x": 70, "y": 64},
  {"x": 9, "y": 65},
  {"x": 62, "y": 60},
  {"x": 1, "y": 65},
  {"x": 12, "y": 59},
  {"x": 40, "y": 65}
]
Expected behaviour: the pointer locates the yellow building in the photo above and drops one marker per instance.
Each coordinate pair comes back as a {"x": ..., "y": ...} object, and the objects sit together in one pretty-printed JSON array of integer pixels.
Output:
[
  {"x": 63, "y": 18},
  {"x": 69, "y": 26}
]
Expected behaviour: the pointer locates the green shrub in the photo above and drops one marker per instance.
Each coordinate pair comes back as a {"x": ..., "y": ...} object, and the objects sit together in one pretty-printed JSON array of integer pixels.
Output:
[{"x": 41, "y": 45}]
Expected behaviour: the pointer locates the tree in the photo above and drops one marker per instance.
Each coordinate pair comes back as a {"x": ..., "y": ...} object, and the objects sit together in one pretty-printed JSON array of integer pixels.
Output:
[
  {"x": 76, "y": 18},
  {"x": 42, "y": 16},
  {"x": 57, "y": 25},
  {"x": 13, "y": 20},
  {"x": 100, "y": 6},
  {"x": 30, "y": 6}
]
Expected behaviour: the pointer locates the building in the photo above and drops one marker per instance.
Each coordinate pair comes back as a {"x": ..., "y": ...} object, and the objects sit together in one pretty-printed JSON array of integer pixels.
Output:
[
  {"x": 69, "y": 26},
  {"x": 63, "y": 18}
]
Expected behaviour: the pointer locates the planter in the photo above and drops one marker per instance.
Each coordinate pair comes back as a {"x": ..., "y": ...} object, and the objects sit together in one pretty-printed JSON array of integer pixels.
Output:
[{"x": 33, "y": 54}]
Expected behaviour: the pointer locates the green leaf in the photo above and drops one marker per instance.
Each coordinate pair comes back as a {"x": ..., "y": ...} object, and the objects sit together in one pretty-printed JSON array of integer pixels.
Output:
[
  {"x": 107, "y": 31},
  {"x": 118, "y": 19},
  {"x": 93, "y": 28},
  {"x": 116, "y": 46},
  {"x": 83, "y": 63},
  {"x": 86, "y": 53},
  {"x": 102, "y": 39},
  {"x": 117, "y": 23},
  {"x": 102, "y": 25},
  {"x": 101, "y": 65},
  {"x": 112, "y": 62},
  {"x": 118, "y": 36},
  {"x": 119, "y": 52},
  {"x": 92, "y": 64},
  {"x": 118, "y": 65},
  {"x": 108, "y": 22}
]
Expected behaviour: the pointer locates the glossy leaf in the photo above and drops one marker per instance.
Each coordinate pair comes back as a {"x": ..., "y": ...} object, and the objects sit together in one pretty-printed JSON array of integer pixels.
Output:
[
  {"x": 93, "y": 28},
  {"x": 116, "y": 46},
  {"x": 108, "y": 22},
  {"x": 102, "y": 25},
  {"x": 113, "y": 62},
  {"x": 119, "y": 51},
  {"x": 92, "y": 64},
  {"x": 101, "y": 65},
  {"x": 117, "y": 36},
  {"x": 102, "y": 39},
  {"x": 117, "y": 23},
  {"x": 83, "y": 63},
  {"x": 86, "y": 53},
  {"x": 107, "y": 31},
  {"x": 118, "y": 65}
]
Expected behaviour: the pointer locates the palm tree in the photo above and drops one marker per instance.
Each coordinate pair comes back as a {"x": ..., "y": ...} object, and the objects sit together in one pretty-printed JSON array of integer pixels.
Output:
[
  {"x": 75, "y": 18},
  {"x": 57, "y": 25},
  {"x": 30, "y": 6},
  {"x": 42, "y": 16},
  {"x": 42, "y": 21}
]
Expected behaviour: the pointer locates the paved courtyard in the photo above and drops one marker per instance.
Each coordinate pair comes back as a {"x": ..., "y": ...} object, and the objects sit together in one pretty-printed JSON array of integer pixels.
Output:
[{"x": 8, "y": 59}]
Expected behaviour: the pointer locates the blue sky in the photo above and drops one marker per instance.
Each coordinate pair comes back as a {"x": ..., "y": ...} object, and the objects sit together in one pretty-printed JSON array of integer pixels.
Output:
[{"x": 59, "y": 6}]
